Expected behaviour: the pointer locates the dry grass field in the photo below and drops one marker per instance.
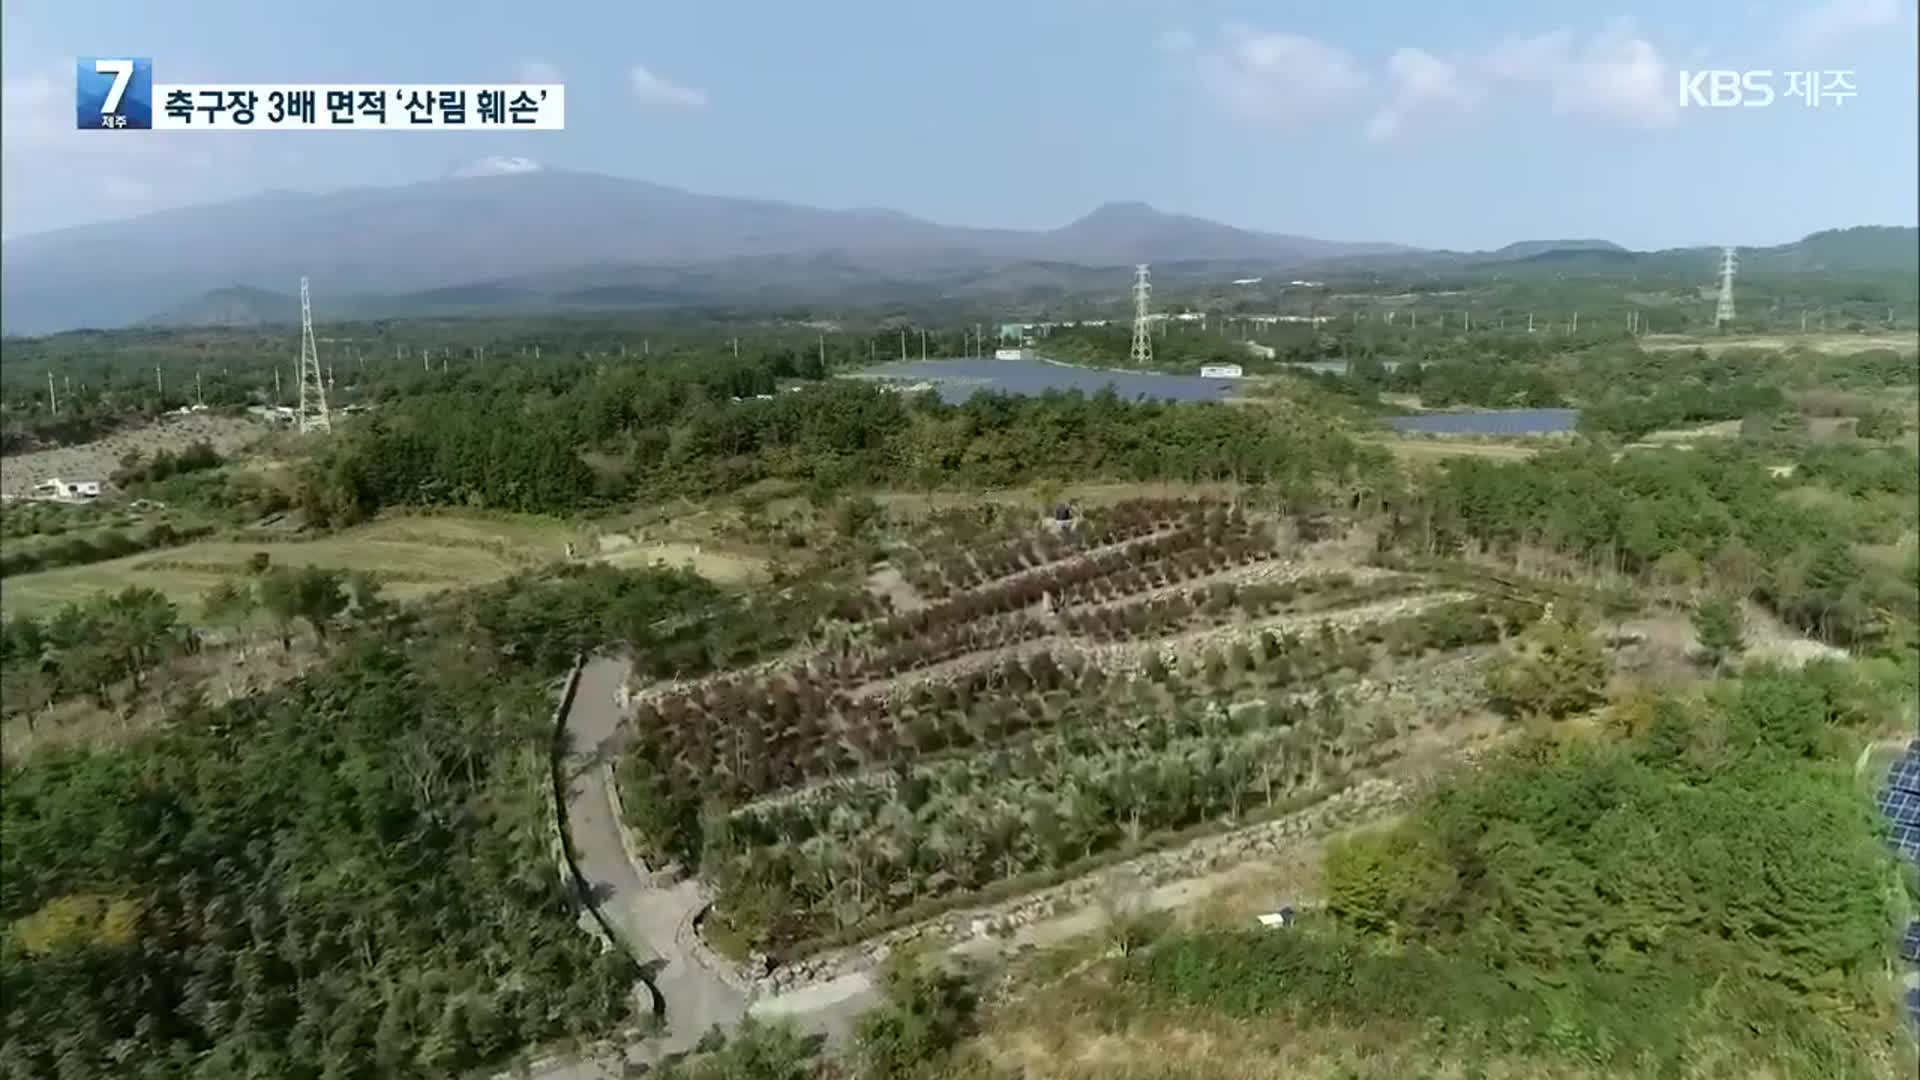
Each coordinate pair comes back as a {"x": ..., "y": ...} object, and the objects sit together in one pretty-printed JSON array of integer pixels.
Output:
[
  {"x": 1438, "y": 449},
  {"x": 411, "y": 555},
  {"x": 1833, "y": 344}
]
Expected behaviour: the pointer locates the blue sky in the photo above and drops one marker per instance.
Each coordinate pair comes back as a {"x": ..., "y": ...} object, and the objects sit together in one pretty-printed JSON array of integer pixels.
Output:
[{"x": 1455, "y": 125}]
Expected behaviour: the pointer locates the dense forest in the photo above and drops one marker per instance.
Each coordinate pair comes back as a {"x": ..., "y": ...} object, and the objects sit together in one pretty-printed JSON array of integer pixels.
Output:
[
  {"x": 514, "y": 442},
  {"x": 1702, "y": 890},
  {"x": 350, "y": 876},
  {"x": 1687, "y": 519}
]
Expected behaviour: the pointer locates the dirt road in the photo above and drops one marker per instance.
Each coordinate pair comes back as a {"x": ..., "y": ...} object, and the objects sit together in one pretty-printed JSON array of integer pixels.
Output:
[{"x": 648, "y": 918}]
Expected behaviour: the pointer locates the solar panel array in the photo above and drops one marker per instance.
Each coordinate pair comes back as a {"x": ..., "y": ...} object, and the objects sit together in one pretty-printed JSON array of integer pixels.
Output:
[{"x": 1900, "y": 801}]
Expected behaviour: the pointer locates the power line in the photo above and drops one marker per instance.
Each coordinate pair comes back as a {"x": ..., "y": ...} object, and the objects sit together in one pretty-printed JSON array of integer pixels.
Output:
[
  {"x": 1142, "y": 354},
  {"x": 1723, "y": 311},
  {"x": 313, "y": 414}
]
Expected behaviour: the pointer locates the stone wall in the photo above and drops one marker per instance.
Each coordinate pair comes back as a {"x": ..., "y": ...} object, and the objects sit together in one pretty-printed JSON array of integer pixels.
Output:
[{"x": 1365, "y": 800}]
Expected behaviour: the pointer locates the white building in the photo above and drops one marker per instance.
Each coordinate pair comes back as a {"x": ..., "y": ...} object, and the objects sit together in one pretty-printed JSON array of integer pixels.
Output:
[
  {"x": 67, "y": 490},
  {"x": 1220, "y": 371}
]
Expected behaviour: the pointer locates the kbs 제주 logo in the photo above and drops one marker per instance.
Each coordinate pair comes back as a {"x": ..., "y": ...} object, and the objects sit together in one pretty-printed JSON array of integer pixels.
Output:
[{"x": 113, "y": 92}]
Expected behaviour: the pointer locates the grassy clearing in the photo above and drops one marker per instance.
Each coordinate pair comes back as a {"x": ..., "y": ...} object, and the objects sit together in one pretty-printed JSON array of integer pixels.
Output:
[
  {"x": 1725, "y": 429},
  {"x": 412, "y": 555},
  {"x": 723, "y": 567},
  {"x": 1416, "y": 449}
]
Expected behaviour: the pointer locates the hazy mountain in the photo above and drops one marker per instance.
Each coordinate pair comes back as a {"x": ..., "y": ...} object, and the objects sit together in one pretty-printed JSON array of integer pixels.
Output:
[
  {"x": 1865, "y": 247},
  {"x": 236, "y": 305},
  {"x": 1527, "y": 249},
  {"x": 507, "y": 234},
  {"x": 506, "y": 219},
  {"x": 1133, "y": 232}
]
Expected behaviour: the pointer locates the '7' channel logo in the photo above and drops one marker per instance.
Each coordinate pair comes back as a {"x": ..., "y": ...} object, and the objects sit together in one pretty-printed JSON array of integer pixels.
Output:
[
  {"x": 113, "y": 93},
  {"x": 1755, "y": 89}
]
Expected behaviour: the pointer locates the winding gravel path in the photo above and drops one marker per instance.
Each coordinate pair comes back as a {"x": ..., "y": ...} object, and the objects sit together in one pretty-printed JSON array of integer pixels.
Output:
[
  {"x": 652, "y": 920},
  {"x": 648, "y": 918}
]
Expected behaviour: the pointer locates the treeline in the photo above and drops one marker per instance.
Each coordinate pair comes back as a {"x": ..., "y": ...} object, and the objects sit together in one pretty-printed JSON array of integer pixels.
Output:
[
  {"x": 197, "y": 456},
  {"x": 1714, "y": 514},
  {"x": 1488, "y": 384},
  {"x": 1183, "y": 348},
  {"x": 537, "y": 442},
  {"x": 99, "y": 547},
  {"x": 347, "y": 877},
  {"x": 108, "y": 647},
  {"x": 1599, "y": 902},
  {"x": 89, "y": 648}
]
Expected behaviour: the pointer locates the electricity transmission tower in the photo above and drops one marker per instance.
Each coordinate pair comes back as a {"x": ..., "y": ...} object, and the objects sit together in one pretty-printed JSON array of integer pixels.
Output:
[
  {"x": 1142, "y": 339},
  {"x": 313, "y": 386},
  {"x": 1723, "y": 312}
]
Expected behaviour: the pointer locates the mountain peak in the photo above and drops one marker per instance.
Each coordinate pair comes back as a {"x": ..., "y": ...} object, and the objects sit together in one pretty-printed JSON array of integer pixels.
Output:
[
  {"x": 1119, "y": 213},
  {"x": 498, "y": 165}
]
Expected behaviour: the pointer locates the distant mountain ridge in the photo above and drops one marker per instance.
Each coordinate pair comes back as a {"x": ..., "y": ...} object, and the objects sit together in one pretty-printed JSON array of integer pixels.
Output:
[
  {"x": 234, "y": 305},
  {"x": 1527, "y": 249},
  {"x": 506, "y": 233}
]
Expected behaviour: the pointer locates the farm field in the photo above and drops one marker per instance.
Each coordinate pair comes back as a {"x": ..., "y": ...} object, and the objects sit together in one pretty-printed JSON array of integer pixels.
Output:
[
  {"x": 411, "y": 555},
  {"x": 1008, "y": 706}
]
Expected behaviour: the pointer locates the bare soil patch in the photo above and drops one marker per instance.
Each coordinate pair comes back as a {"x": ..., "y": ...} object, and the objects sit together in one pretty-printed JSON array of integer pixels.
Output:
[{"x": 97, "y": 460}]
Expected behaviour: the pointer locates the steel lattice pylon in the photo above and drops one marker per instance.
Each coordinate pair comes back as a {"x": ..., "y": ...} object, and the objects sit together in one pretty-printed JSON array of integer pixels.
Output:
[
  {"x": 313, "y": 386},
  {"x": 1142, "y": 329},
  {"x": 1723, "y": 312}
]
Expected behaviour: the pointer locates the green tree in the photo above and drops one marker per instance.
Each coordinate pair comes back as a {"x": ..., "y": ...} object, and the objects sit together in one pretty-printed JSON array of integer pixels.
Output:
[
  {"x": 310, "y": 593},
  {"x": 1720, "y": 627},
  {"x": 757, "y": 1050},
  {"x": 1554, "y": 670},
  {"x": 927, "y": 1010},
  {"x": 230, "y": 605},
  {"x": 1391, "y": 882}
]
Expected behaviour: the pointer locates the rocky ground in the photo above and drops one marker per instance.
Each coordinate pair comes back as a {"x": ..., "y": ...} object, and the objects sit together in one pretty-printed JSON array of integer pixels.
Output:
[{"x": 97, "y": 460}]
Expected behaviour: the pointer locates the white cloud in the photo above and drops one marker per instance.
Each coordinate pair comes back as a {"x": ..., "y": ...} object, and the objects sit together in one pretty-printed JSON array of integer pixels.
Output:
[
  {"x": 657, "y": 90},
  {"x": 53, "y": 175},
  {"x": 1425, "y": 89},
  {"x": 1277, "y": 77},
  {"x": 538, "y": 71},
  {"x": 1613, "y": 76},
  {"x": 126, "y": 189},
  {"x": 1825, "y": 30}
]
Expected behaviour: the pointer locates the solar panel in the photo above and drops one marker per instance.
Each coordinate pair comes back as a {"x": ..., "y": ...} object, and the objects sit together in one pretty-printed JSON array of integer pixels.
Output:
[
  {"x": 1910, "y": 944},
  {"x": 1906, "y": 838},
  {"x": 1900, "y": 807},
  {"x": 1905, "y": 773}
]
